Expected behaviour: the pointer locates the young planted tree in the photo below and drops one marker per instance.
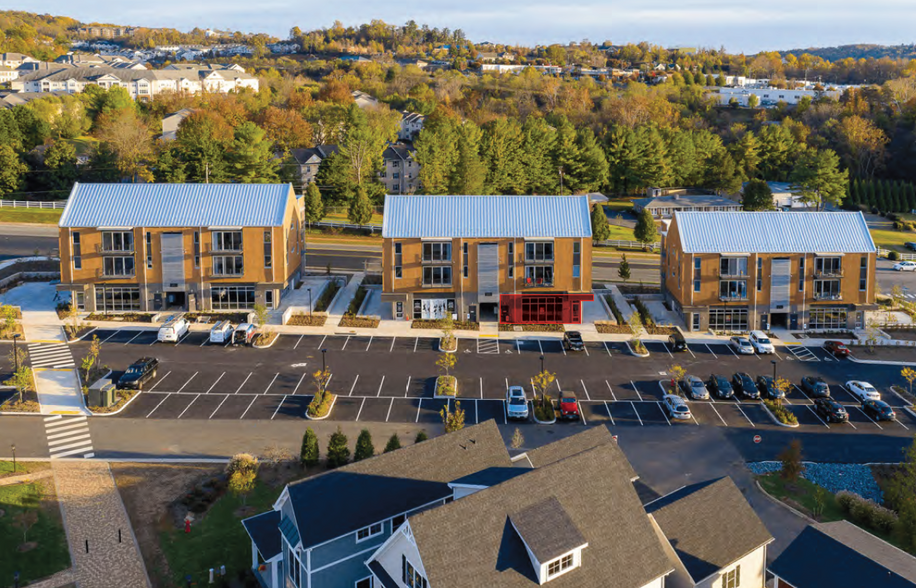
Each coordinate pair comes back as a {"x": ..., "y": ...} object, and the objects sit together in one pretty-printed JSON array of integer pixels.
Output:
[
  {"x": 308, "y": 455},
  {"x": 241, "y": 483},
  {"x": 646, "y": 232},
  {"x": 782, "y": 385},
  {"x": 452, "y": 419},
  {"x": 89, "y": 362},
  {"x": 22, "y": 380},
  {"x": 541, "y": 384},
  {"x": 677, "y": 373},
  {"x": 364, "y": 447},
  {"x": 601, "y": 229},
  {"x": 338, "y": 450},
  {"x": 24, "y": 521},
  {"x": 446, "y": 362},
  {"x": 791, "y": 459},
  {"x": 623, "y": 270},
  {"x": 518, "y": 440},
  {"x": 394, "y": 442},
  {"x": 260, "y": 315},
  {"x": 360, "y": 210},
  {"x": 314, "y": 206},
  {"x": 757, "y": 196},
  {"x": 909, "y": 374},
  {"x": 421, "y": 436}
]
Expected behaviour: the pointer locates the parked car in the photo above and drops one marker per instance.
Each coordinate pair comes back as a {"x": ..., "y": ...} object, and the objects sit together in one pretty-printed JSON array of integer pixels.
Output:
[
  {"x": 863, "y": 390},
  {"x": 244, "y": 334},
  {"x": 139, "y": 373},
  {"x": 221, "y": 333},
  {"x": 741, "y": 345},
  {"x": 815, "y": 387},
  {"x": 878, "y": 410},
  {"x": 720, "y": 386},
  {"x": 836, "y": 348},
  {"x": 910, "y": 245},
  {"x": 676, "y": 407},
  {"x": 767, "y": 387},
  {"x": 744, "y": 384},
  {"x": 516, "y": 403},
  {"x": 569, "y": 406},
  {"x": 676, "y": 342},
  {"x": 173, "y": 330},
  {"x": 572, "y": 341},
  {"x": 694, "y": 388},
  {"x": 830, "y": 410},
  {"x": 905, "y": 266},
  {"x": 761, "y": 342}
]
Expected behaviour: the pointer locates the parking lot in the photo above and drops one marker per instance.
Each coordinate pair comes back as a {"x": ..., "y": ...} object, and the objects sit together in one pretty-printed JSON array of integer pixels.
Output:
[{"x": 390, "y": 379}]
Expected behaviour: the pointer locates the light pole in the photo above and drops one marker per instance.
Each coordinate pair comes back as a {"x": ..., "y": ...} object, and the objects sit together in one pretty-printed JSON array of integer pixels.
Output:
[
  {"x": 15, "y": 350},
  {"x": 13, "y": 448},
  {"x": 542, "y": 364},
  {"x": 324, "y": 353},
  {"x": 310, "y": 303},
  {"x": 773, "y": 361}
]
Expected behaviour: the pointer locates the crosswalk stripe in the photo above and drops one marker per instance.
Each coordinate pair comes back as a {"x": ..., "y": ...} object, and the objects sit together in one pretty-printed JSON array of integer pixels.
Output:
[
  {"x": 71, "y": 432},
  {"x": 64, "y": 422},
  {"x": 68, "y": 436},
  {"x": 83, "y": 443},
  {"x": 73, "y": 439},
  {"x": 83, "y": 450},
  {"x": 56, "y": 417}
]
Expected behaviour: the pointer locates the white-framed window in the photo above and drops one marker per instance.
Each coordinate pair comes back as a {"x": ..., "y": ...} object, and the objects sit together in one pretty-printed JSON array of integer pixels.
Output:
[
  {"x": 118, "y": 266},
  {"x": 733, "y": 266},
  {"x": 118, "y": 241},
  {"x": 227, "y": 240},
  {"x": 397, "y": 521},
  {"x": 228, "y": 265},
  {"x": 559, "y": 565},
  {"x": 437, "y": 252},
  {"x": 732, "y": 578},
  {"x": 369, "y": 532},
  {"x": 410, "y": 575},
  {"x": 539, "y": 251}
]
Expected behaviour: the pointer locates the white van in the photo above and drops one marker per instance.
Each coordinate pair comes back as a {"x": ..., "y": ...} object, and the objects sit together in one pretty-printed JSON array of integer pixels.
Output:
[
  {"x": 244, "y": 334},
  {"x": 221, "y": 332},
  {"x": 173, "y": 330},
  {"x": 761, "y": 342}
]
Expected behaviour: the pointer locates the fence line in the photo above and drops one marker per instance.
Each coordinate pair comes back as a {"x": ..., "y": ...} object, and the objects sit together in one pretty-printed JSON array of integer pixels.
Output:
[
  {"x": 371, "y": 228},
  {"x": 32, "y": 204},
  {"x": 629, "y": 244},
  {"x": 900, "y": 256}
]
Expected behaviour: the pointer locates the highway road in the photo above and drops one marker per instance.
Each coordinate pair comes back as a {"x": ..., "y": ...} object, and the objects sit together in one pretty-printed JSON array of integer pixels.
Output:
[{"x": 23, "y": 240}]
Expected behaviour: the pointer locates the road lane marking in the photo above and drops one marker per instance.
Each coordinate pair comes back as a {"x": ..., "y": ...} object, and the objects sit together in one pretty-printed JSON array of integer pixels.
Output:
[
  {"x": 243, "y": 382},
  {"x": 636, "y": 412},
  {"x": 608, "y": 409},
  {"x": 360, "y": 411},
  {"x": 354, "y": 385},
  {"x": 188, "y": 406},
  {"x": 296, "y": 389},
  {"x": 253, "y": 398},
  {"x": 216, "y": 382},
  {"x": 158, "y": 405},
  {"x": 160, "y": 381},
  {"x": 282, "y": 400},
  {"x": 382, "y": 383},
  {"x": 218, "y": 407},
  {"x": 188, "y": 382}
]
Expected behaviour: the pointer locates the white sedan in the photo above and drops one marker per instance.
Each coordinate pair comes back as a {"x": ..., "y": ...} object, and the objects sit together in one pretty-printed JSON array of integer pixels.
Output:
[
  {"x": 905, "y": 266},
  {"x": 863, "y": 390},
  {"x": 676, "y": 407},
  {"x": 741, "y": 345}
]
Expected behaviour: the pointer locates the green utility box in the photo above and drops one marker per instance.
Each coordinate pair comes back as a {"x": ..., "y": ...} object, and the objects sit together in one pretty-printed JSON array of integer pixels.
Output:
[{"x": 102, "y": 394}]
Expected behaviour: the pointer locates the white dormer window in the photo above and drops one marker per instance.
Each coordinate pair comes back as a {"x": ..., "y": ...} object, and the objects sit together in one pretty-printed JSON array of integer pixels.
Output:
[
  {"x": 369, "y": 532},
  {"x": 561, "y": 564}
]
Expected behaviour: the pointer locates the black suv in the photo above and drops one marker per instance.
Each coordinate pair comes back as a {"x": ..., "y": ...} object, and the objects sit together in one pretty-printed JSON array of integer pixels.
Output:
[
  {"x": 572, "y": 341},
  {"x": 815, "y": 387},
  {"x": 742, "y": 382},
  {"x": 831, "y": 410},
  {"x": 677, "y": 342},
  {"x": 139, "y": 373},
  {"x": 720, "y": 386},
  {"x": 767, "y": 387}
]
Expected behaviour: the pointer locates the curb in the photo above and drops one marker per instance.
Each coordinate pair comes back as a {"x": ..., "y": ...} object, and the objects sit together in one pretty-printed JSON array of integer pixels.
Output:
[
  {"x": 269, "y": 345},
  {"x": 634, "y": 353},
  {"x": 330, "y": 410},
  {"x": 540, "y": 422},
  {"x": 784, "y": 505},
  {"x": 776, "y": 420},
  {"x": 880, "y": 362},
  {"x": 113, "y": 413},
  {"x": 446, "y": 396},
  {"x": 455, "y": 350}
]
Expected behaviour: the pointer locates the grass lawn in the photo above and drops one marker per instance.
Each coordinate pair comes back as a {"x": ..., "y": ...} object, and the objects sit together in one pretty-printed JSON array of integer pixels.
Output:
[
  {"x": 341, "y": 217},
  {"x": 50, "y": 554},
  {"x": 621, "y": 233},
  {"x": 893, "y": 240},
  {"x": 45, "y": 216},
  {"x": 800, "y": 495},
  {"x": 621, "y": 205},
  {"x": 22, "y": 467},
  {"x": 218, "y": 539}
]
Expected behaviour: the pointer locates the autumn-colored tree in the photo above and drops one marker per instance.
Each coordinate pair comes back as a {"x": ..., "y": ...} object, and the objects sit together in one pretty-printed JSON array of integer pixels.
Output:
[
  {"x": 335, "y": 91},
  {"x": 128, "y": 138},
  {"x": 286, "y": 128}
]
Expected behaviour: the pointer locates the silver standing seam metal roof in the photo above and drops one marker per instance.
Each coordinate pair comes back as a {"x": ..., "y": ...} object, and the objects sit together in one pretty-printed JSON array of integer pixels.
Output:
[
  {"x": 773, "y": 232},
  {"x": 486, "y": 217},
  {"x": 176, "y": 205}
]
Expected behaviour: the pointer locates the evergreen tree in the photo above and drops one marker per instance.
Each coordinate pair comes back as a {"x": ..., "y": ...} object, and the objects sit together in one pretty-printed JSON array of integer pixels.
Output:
[
  {"x": 314, "y": 207},
  {"x": 538, "y": 169},
  {"x": 170, "y": 169},
  {"x": 502, "y": 150},
  {"x": 818, "y": 178},
  {"x": 469, "y": 173},
  {"x": 251, "y": 158},
  {"x": 623, "y": 270},
  {"x": 566, "y": 155},
  {"x": 308, "y": 455},
  {"x": 745, "y": 153},
  {"x": 11, "y": 170},
  {"x": 394, "y": 442},
  {"x": 855, "y": 196},
  {"x": 364, "y": 447},
  {"x": 60, "y": 163},
  {"x": 421, "y": 436},
  {"x": 872, "y": 196},
  {"x": 623, "y": 160},
  {"x": 757, "y": 196},
  {"x": 360, "y": 210},
  {"x": 204, "y": 138},
  {"x": 722, "y": 175},
  {"x": 601, "y": 229},
  {"x": 593, "y": 164},
  {"x": 436, "y": 154},
  {"x": 652, "y": 158},
  {"x": 910, "y": 197},
  {"x": 338, "y": 450},
  {"x": 646, "y": 232}
]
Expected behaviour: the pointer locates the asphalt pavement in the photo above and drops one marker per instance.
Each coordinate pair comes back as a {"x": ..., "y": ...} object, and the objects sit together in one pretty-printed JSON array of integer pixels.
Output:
[{"x": 22, "y": 240}]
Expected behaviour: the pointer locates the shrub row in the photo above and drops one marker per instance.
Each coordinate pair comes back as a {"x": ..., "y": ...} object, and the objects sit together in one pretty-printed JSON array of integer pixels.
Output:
[
  {"x": 618, "y": 316},
  {"x": 782, "y": 414},
  {"x": 437, "y": 324},
  {"x": 644, "y": 314},
  {"x": 543, "y": 408},
  {"x": 357, "y": 301},
  {"x": 324, "y": 301},
  {"x": 867, "y": 513}
]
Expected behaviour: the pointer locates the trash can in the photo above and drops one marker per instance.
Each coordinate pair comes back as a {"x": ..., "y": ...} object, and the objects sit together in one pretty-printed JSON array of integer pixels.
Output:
[{"x": 102, "y": 394}]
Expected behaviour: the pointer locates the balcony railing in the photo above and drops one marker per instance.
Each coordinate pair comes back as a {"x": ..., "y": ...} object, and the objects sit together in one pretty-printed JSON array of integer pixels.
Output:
[
  {"x": 829, "y": 273},
  {"x": 733, "y": 275},
  {"x": 733, "y": 297},
  {"x": 538, "y": 283},
  {"x": 828, "y": 296}
]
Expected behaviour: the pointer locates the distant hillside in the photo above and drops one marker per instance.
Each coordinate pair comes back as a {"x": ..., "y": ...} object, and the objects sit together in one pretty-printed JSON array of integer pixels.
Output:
[{"x": 863, "y": 51}]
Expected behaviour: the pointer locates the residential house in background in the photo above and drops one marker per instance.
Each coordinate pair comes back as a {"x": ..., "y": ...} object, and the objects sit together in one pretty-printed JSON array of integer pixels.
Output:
[
  {"x": 400, "y": 172},
  {"x": 516, "y": 259},
  {"x": 8, "y": 74},
  {"x": 171, "y": 122},
  {"x": 309, "y": 160},
  {"x": 411, "y": 125},
  {"x": 364, "y": 100},
  {"x": 784, "y": 198},
  {"x": 152, "y": 247},
  {"x": 664, "y": 202},
  {"x": 738, "y": 271},
  {"x": 842, "y": 555},
  {"x": 15, "y": 60}
]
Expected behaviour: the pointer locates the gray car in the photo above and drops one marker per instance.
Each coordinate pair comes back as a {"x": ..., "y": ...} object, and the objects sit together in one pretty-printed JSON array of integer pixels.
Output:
[
  {"x": 516, "y": 403},
  {"x": 694, "y": 388}
]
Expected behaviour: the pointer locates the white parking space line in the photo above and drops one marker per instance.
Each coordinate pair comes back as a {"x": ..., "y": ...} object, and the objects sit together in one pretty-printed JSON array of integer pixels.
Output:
[
  {"x": 711, "y": 351},
  {"x": 419, "y": 406},
  {"x": 218, "y": 407},
  {"x": 345, "y": 343},
  {"x": 182, "y": 338},
  {"x": 608, "y": 349},
  {"x": 354, "y": 385},
  {"x": 609, "y": 389},
  {"x": 243, "y": 382},
  {"x": 205, "y": 341},
  {"x": 665, "y": 345},
  {"x": 369, "y": 343},
  {"x": 216, "y": 382},
  {"x": 541, "y": 347},
  {"x": 608, "y": 409},
  {"x": 296, "y": 389},
  {"x": 282, "y": 400},
  {"x": 585, "y": 349},
  {"x": 134, "y": 337},
  {"x": 406, "y": 388},
  {"x": 158, "y": 405},
  {"x": 745, "y": 415},
  {"x": 160, "y": 380},
  {"x": 505, "y": 412},
  {"x": 188, "y": 382},
  {"x": 901, "y": 424},
  {"x": 729, "y": 347},
  {"x": 380, "y": 384},
  {"x": 360, "y": 411},
  {"x": 869, "y": 418},
  {"x": 188, "y": 406},
  {"x": 687, "y": 347},
  {"x": 587, "y": 397},
  {"x": 802, "y": 392},
  {"x": 717, "y": 413},
  {"x": 636, "y": 389},
  {"x": 582, "y": 416},
  {"x": 664, "y": 413},
  {"x": 321, "y": 343},
  {"x": 296, "y": 346},
  {"x": 393, "y": 339},
  {"x": 557, "y": 382},
  {"x": 110, "y": 336},
  {"x": 415, "y": 343},
  {"x": 328, "y": 381},
  {"x": 817, "y": 416},
  {"x": 563, "y": 348},
  {"x": 389, "y": 409},
  {"x": 274, "y": 380},
  {"x": 518, "y": 346},
  {"x": 636, "y": 412},
  {"x": 253, "y": 398}
]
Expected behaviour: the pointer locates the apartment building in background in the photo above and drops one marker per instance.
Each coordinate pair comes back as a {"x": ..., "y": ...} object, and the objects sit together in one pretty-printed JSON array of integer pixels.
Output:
[
  {"x": 516, "y": 259},
  {"x": 735, "y": 271},
  {"x": 153, "y": 247},
  {"x": 400, "y": 172}
]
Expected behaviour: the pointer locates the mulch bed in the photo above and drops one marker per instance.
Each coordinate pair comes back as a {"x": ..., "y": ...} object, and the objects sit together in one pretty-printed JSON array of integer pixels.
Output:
[
  {"x": 127, "y": 317},
  {"x": 533, "y": 328},
  {"x": 304, "y": 320},
  {"x": 365, "y": 322},
  {"x": 435, "y": 324},
  {"x": 608, "y": 328}
]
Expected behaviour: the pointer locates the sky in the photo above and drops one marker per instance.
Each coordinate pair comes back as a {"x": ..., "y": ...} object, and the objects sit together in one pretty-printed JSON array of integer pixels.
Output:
[{"x": 738, "y": 25}]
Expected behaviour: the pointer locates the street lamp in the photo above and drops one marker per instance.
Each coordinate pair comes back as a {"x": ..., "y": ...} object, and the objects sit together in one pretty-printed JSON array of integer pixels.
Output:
[
  {"x": 542, "y": 364},
  {"x": 773, "y": 361},
  {"x": 324, "y": 353},
  {"x": 13, "y": 448},
  {"x": 310, "y": 303}
]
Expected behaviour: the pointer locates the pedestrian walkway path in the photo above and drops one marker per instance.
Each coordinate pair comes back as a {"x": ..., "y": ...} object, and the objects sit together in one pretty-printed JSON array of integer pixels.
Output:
[
  {"x": 51, "y": 355},
  {"x": 340, "y": 306},
  {"x": 68, "y": 437},
  {"x": 102, "y": 543}
]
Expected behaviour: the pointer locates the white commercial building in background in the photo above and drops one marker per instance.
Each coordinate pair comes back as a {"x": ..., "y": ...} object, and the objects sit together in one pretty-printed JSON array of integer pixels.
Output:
[{"x": 769, "y": 97}]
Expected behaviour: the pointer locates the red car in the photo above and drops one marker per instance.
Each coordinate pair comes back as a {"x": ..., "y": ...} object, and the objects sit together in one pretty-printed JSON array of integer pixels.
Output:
[
  {"x": 836, "y": 348},
  {"x": 569, "y": 406}
]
